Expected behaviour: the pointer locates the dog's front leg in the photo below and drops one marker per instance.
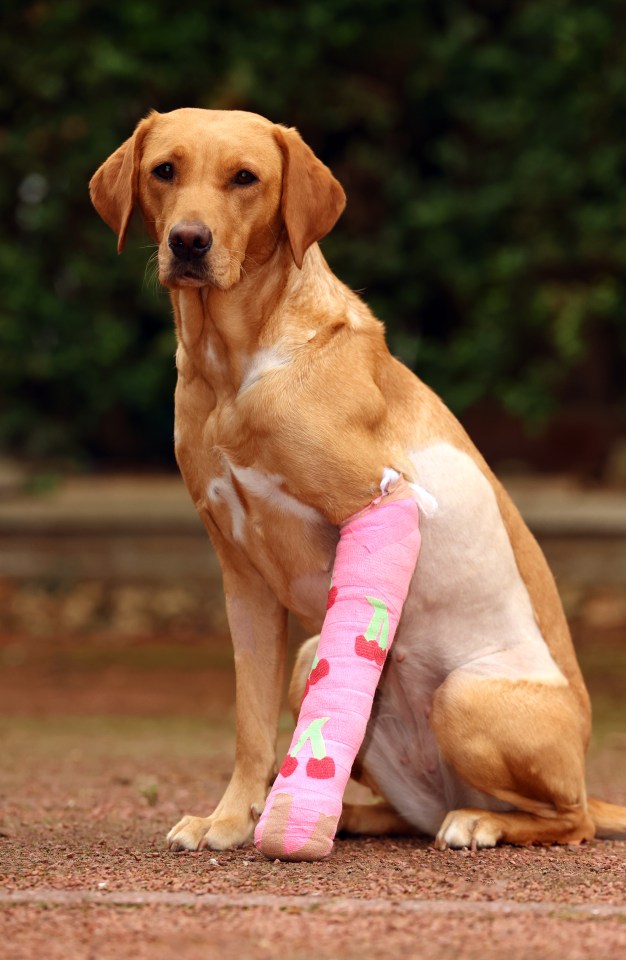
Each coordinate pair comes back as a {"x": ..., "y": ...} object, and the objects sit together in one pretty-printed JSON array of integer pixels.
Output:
[{"x": 258, "y": 625}]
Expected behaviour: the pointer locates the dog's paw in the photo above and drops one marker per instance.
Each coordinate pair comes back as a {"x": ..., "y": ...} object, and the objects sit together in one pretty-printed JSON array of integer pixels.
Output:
[
  {"x": 210, "y": 833},
  {"x": 468, "y": 828}
]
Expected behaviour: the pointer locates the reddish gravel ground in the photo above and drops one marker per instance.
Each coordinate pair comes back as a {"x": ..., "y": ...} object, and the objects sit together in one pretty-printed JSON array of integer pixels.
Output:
[{"x": 104, "y": 747}]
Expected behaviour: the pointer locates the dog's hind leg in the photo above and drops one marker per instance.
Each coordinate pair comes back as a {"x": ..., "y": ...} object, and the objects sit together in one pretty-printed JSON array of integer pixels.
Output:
[
  {"x": 520, "y": 741},
  {"x": 373, "y": 820}
]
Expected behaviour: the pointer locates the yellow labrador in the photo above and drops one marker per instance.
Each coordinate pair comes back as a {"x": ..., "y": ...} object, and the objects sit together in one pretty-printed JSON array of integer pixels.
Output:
[{"x": 289, "y": 410}]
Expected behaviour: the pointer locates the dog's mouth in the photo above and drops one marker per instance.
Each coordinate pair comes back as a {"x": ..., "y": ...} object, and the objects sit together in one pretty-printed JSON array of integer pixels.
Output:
[
  {"x": 185, "y": 275},
  {"x": 205, "y": 272}
]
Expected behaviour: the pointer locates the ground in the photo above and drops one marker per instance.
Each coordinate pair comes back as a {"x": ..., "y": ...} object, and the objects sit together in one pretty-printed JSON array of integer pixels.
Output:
[
  {"x": 106, "y": 743},
  {"x": 116, "y": 717}
]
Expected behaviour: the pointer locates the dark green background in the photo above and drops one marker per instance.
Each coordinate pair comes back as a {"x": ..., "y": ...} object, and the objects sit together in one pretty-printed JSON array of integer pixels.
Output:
[{"x": 481, "y": 145}]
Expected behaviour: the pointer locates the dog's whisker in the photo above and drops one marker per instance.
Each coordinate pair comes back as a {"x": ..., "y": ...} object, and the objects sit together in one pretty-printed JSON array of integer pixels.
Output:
[
  {"x": 233, "y": 261},
  {"x": 151, "y": 271}
]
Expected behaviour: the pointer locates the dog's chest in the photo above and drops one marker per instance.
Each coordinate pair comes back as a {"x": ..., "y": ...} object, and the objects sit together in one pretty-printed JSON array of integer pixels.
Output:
[{"x": 254, "y": 512}]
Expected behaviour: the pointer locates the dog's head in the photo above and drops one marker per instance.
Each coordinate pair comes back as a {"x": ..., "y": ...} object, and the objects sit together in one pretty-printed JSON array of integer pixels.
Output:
[{"x": 218, "y": 190}]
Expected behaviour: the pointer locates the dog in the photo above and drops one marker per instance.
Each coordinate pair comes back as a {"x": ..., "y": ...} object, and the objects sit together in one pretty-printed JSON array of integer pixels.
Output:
[{"x": 289, "y": 410}]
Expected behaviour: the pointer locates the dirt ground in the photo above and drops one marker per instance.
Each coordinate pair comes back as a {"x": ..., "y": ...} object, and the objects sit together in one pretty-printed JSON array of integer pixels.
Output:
[{"x": 106, "y": 744}]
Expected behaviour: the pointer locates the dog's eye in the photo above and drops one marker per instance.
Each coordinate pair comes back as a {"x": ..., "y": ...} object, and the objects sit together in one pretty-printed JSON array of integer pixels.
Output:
[
  {"x": 244, "y": 178},
  {"x": 164, "y": 171}
]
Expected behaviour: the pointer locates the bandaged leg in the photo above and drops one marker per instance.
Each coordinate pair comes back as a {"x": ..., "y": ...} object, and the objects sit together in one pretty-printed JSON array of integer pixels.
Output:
[{"x": 375, "y": 560}]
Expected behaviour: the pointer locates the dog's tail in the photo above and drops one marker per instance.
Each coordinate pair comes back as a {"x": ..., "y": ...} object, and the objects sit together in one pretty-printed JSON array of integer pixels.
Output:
[{"x": 609, "y": 819}]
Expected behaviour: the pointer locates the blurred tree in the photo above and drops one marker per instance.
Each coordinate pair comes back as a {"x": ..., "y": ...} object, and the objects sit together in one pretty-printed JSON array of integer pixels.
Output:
[{"x": 479, "y": 141}]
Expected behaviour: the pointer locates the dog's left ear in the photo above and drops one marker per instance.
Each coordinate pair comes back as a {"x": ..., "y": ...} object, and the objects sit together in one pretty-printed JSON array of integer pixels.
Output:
[
  {"x": 114, "y": 185},
  {"x": 312, "y": 199}
]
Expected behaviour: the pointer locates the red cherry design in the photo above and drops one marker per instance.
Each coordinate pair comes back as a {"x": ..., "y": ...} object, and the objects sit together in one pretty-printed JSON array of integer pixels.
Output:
[
  {"x": 322, "y": 670},
  {"x": 365, "y": 648},
  {"x": 380, "y": 655},
  {"x": 322, "y": 769},
  {"x": 369, "y": 649},
  {"x": 289, "y": 765},
  {"x": 332, "y": 596}
]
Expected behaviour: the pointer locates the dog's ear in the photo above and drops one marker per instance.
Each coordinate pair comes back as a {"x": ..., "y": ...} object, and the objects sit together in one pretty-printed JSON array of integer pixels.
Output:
[
  {"x": 113, "y": 187},
  {"x": 312, "y": 200}
]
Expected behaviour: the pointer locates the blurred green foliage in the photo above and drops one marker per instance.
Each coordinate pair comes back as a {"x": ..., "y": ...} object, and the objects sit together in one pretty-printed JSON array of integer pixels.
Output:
[{"x": 480, "y": 142}]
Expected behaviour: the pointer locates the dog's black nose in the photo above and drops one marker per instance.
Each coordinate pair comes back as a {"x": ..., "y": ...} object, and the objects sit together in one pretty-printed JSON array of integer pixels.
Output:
[{"x": 190, "y": 241}]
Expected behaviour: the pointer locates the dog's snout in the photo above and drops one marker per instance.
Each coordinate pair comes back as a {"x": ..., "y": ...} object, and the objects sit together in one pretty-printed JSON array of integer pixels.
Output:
[{"x": 190, "y": 241}]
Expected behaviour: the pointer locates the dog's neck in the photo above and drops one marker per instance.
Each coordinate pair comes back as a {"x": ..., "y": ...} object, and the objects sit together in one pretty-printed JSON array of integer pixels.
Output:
[{"x": 221, "y": 332}]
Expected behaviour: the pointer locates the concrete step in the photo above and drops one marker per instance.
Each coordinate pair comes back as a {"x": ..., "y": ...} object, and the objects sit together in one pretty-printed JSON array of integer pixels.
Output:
[{"x": 138, "y": 527}]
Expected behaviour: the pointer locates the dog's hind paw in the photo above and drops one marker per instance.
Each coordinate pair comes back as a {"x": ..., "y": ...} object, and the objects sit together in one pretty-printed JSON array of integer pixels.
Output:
[
  {"x": 210, "y": 833},
  {"x": 468, "y": 828}
]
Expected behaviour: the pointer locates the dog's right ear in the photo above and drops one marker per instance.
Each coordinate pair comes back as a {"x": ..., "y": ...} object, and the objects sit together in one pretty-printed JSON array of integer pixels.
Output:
[{"x": 114, "y": 185}]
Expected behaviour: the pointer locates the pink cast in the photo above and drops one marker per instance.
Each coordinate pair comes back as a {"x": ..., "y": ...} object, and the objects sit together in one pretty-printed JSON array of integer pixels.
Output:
[{"x": 376, "y": 556}]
